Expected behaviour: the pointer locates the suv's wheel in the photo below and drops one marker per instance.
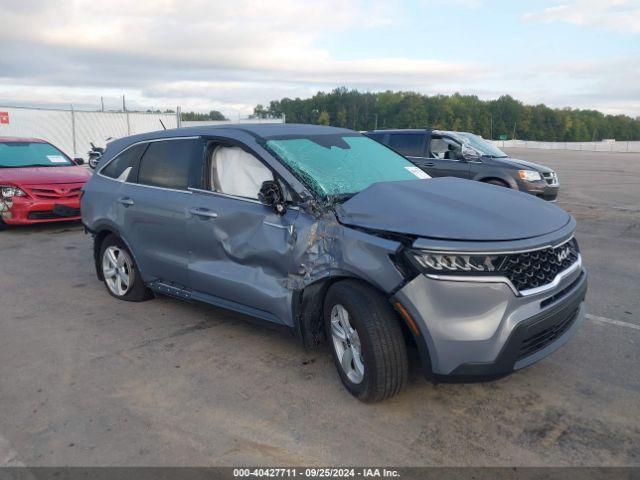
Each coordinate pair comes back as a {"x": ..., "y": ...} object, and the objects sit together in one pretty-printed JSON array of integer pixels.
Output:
[
  {"x": 2, "y": 224},
  {"x": 366, "y": 340},
  {"x": 120, "y": 272}
]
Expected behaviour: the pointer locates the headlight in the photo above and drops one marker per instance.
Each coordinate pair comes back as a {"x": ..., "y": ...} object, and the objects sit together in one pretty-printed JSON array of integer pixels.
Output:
[
  {"x": 10, "y": 192},
  {"x": 451, "y": 263},
  {"x": 529, "y": 175}
]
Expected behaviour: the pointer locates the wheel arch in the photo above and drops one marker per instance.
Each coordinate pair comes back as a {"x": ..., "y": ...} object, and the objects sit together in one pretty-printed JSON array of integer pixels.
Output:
[
  {"x": 308, "y": 312},
  {"x": 99, "y": 235},
  {"x": 509, "y": 182}
]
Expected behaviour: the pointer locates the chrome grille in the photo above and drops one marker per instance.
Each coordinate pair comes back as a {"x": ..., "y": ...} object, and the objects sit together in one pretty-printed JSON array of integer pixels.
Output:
[
  {"x": 540, "y": 267},
  {"x": 53, "y": 192},
  {"x": 550, "y": 177}
]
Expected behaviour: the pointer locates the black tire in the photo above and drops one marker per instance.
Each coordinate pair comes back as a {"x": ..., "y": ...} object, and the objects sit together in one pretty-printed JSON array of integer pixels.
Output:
[
  {"x": 382, "y": 345},
  {"x": 495, "y": 181},
  {"x": 137, "y": 292},
  {"x": 2, "y": 225}
]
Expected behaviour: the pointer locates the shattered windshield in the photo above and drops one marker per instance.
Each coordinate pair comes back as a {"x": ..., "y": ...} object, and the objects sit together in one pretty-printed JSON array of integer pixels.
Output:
[{"x": 337, "y": 165}]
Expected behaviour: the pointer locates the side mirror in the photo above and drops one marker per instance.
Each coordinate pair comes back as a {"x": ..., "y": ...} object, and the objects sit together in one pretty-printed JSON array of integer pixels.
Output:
[
  {"x": 78, "y": 161},
  {"x": 271, "y": 194},
  {"x": 470, "y": 153}
]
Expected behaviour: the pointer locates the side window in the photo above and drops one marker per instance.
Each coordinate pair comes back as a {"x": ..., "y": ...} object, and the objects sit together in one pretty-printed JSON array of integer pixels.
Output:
[
  {"x": 444, "y": 148},
  {"x": 237, "y": 172},
  {"x": 121, "y": 166},
  {"x": 408, "y": 144},
  {"x": 168, "y": 163}
]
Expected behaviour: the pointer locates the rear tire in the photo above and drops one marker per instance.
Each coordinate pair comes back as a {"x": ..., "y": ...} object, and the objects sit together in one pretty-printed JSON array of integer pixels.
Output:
[
  {"x": 2, "y": 225},
  {"x": 366, "y": 340},
  {"x": 120, "y": 273}
]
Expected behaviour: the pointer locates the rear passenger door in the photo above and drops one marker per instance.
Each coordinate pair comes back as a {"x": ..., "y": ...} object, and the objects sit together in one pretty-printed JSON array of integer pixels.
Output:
[{"x": 155, "y": 204}]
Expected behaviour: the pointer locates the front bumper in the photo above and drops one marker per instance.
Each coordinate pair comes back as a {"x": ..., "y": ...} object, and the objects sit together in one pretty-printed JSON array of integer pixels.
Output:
[
  {"x": 27, "y": 210},
  {"x": 540, "y": 189},
  {"x": 471, "y": 330}
]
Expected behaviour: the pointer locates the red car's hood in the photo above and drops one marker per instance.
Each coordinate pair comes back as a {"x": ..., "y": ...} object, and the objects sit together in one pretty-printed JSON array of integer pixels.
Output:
[{"x": 44, "y": 175}]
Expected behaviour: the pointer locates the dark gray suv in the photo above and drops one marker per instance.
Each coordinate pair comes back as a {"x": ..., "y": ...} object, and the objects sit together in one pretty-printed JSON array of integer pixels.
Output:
[
  {"x": 331, "y": 235},
  {"x": 442, "y": 153}
]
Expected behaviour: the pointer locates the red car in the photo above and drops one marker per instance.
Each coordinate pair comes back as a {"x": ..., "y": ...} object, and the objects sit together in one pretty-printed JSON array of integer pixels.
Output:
[{"x": 38, "y": 182}]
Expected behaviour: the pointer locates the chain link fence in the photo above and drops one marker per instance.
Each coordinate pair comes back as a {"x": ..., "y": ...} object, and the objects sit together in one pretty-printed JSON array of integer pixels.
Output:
[{"x": 73, "y": 130}]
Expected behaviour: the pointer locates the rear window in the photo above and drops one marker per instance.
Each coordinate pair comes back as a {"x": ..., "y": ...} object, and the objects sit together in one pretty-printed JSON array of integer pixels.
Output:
[
  {"x": 32, "y": 154},
  {"x": 121, "y": 166},
  {"x": 168, "y": 163},
  {"x": 409, "y": 144}
]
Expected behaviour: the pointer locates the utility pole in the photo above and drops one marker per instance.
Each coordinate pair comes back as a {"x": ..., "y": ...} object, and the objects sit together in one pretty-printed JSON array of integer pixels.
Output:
[
  {"x": 375, "y": 126},
  {"x": 102, "y": 104},
  {"x": 124, "y": 104},
  {"x": 514, "y": 130}
]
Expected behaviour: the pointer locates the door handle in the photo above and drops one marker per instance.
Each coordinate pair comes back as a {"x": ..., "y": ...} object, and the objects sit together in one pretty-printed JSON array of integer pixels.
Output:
[
  {"x": 126, "y": 201},
  {"x": 203, "y": 212},
  {"x": 428, "y": 164}
]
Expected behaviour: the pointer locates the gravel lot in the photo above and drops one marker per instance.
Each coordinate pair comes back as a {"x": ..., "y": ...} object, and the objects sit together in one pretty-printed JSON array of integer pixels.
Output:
[{"x": 88, "y": 380}]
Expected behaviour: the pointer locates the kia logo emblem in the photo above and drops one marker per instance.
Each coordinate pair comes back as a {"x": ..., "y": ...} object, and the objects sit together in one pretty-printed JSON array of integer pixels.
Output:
[{"x": 563, "y": 254}]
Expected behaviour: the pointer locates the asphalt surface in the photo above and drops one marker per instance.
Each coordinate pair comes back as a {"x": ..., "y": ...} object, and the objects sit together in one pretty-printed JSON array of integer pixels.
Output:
[{"x": 89, "y": 380}]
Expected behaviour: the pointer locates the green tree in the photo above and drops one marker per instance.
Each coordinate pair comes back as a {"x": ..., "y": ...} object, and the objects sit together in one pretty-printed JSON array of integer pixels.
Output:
[
  {"x": 323, "y": 118},
  {"x": 367, "y": 110}
]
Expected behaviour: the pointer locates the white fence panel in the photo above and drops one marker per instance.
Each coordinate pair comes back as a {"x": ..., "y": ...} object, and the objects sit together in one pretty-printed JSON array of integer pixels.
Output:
[
  {"x": 147, "y": 122},
  {"x": 73, "y": 131},
  {"x": 585, "y": 146},
  {"x": 96, "y": 127},
  {"x": 196, "y": 123},
  {"x": 52, "y": 125}
]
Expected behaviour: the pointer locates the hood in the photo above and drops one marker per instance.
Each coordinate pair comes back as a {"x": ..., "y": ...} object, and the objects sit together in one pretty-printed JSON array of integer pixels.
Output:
[
  {"x": 453, "y": 209},
  {"x": 516, "y": 162},
  {"x": 44, "y": 175}
]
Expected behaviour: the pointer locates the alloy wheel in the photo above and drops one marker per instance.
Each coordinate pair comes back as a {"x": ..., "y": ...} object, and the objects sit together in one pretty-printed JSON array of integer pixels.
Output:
[
  {"x": 346, "y": 342},
  {"x": 117, "y": 270}
]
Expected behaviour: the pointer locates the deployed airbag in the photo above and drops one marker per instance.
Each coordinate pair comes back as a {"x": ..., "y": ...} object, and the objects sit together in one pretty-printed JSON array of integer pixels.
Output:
[{"x": 237, "y": 172}]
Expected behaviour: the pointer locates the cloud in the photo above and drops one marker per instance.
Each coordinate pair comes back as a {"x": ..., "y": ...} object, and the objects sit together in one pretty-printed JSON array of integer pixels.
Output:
[
  {"x": 209, "y": 52},
  {"x": 230, "y": 56},
  {"x": 618, "y": 15}
]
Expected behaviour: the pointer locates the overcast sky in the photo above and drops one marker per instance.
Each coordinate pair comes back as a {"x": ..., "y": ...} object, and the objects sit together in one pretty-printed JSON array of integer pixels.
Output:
[{"x": 232, "y": 55}]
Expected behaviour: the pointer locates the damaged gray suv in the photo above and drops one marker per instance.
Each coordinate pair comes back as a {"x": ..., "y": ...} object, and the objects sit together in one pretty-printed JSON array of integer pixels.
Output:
[{"x": 337, "y": 238}]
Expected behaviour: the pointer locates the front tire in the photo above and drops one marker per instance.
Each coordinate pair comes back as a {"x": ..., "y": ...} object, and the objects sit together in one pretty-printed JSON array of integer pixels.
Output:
[
  {"x": 366, "y": 341},
  {"x": 120, "y": 273}
]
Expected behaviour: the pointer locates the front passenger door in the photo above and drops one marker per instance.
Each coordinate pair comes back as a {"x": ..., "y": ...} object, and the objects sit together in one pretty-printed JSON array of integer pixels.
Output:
[
  {"x": 241, "y": 251},
  {"x": 445, "y": 158}
]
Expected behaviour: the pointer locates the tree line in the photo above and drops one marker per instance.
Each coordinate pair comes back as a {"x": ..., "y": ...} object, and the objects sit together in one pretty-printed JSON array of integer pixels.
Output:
[
  {"x": 195, "y": 116},
  {"x": 504, "y": 117}
]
